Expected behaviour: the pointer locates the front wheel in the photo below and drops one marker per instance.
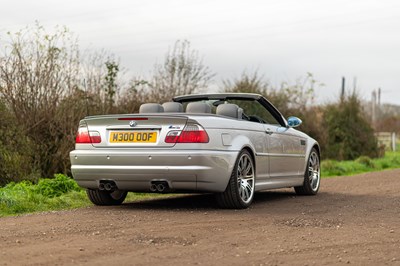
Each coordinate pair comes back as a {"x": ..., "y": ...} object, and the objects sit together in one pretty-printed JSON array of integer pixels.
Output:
[
  {"x": 106, "y": 198},
  {"x": 312, "y": 175},
  {"x": 240, "y": 190}
]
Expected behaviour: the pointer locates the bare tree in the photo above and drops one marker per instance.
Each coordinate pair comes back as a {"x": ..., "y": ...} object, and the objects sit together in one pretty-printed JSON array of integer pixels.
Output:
[
  {"x": 182, "y": 72},
  {"x": 247, "y": 83},
  {"x": 37, "y": 71},
  {"x": 289, "y": 97},
  {"x": 136, "y": 93},
  {"x": 48, "y": 87},
  {"x": 99, "y": 76}
]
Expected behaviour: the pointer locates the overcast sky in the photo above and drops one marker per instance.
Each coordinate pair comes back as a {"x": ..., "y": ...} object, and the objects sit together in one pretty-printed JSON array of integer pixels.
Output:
[{"x": 282, "y": 39}]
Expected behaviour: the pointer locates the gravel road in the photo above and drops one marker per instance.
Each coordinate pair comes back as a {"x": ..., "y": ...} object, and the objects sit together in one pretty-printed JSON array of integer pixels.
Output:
[{"x": 353, "y": 220}]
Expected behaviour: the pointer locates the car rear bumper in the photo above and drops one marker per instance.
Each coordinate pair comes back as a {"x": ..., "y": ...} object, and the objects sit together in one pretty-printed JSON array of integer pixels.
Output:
[{"x": 204, "y": 170}]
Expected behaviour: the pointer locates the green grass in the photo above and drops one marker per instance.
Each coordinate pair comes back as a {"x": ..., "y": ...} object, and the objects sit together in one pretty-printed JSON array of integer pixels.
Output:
[
  {"x": 48, "y": 194},
  {"x": 59, "y": 193},
  {"x": 363, "y": 164}
]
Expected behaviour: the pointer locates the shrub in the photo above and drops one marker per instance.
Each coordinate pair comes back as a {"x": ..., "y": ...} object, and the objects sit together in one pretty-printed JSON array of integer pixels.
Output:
[
  {"x": 349, "y": 135},
  {"x": 57, "y": 186},
  {"x": 365, "y": 160},
  {"x": 385, "y": 165},
  {"x": 333, "y": 168},
  {"x": 16, "y": 153},
  {"x": 49, "y": 194},
  {"x": 47, "y": 86}
]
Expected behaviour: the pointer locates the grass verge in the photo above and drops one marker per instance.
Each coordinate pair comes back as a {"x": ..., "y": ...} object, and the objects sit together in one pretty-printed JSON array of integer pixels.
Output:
[
  {"x": 59, "y": 193},
  {"x": 363, "y": 164}
]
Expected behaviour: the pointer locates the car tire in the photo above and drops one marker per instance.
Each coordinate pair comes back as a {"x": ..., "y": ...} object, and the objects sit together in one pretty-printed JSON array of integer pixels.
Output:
[
  {"x": 106, "y": 198},
  {"x": 239, "y": 192},
  {"x": 312, "y": 175}
]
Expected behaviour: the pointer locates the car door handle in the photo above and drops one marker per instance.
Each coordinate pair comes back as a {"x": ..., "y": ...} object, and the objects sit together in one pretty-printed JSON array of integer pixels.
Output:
[{"x": 268, "y": 131}]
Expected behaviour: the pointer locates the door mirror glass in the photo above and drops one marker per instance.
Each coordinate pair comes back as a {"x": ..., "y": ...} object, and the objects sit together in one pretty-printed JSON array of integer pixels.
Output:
[{"x": 294, "y": 121}]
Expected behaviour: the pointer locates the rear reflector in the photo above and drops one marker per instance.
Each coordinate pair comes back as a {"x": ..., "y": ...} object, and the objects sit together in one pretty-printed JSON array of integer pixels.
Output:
[{"x": 192, "y": 133}]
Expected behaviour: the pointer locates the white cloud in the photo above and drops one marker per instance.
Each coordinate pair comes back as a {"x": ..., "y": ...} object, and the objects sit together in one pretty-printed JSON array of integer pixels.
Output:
[{"x": 283, "y": 39}]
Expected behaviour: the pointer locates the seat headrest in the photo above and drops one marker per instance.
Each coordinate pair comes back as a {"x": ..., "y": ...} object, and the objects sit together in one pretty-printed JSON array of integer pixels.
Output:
[
  {"x": 198, "y": 107},
  {"x": 172, "y": 107},
  {"x": 229, "y": 109},
  {"x": 151, "y": 108}
]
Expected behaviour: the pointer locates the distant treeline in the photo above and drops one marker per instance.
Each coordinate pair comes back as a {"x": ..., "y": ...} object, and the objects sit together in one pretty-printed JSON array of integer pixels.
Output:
[{"x": 47, "y": 84}]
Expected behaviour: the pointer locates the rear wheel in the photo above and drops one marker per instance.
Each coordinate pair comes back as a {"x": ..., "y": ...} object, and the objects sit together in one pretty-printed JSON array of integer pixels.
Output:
[
  {"x": 312, "y": 176},
  {"x": 106, "y": 198},
  {"x": 240, "y": 190}
]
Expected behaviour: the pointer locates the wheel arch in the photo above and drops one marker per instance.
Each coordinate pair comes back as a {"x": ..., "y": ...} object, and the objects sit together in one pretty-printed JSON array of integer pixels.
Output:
[
  {"x": 253, "y": 157},
  {"x": 317, "y": 148},
  {"x": 307, "y": 188},
  {"x": 308, "y": 152}
]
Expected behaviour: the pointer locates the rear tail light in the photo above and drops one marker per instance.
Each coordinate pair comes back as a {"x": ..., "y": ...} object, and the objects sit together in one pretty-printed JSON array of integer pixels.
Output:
[
  {"x": 85, "y": 136},
  {"x": 172, "y": 136},
  {"x": 95, "y": 136},
  {"x": 192, "y": 133}
]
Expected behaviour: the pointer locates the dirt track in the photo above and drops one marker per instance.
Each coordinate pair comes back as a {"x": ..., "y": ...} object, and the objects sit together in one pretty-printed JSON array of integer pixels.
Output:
[{"x": 353, "y": 220}]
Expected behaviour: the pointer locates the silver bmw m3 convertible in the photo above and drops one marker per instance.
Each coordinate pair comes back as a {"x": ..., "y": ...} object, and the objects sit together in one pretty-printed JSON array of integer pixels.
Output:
[{"x": 229, "y": 144}]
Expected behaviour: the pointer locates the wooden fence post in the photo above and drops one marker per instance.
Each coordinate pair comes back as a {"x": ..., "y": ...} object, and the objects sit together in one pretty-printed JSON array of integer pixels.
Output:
[{"x": 393, "y": 141}]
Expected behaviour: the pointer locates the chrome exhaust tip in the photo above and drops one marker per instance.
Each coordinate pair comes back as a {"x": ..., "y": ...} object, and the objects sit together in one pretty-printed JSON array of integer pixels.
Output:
[
  {"x": 108, "y": 186},
  {"x": 153, "y": 188},
  {"x": 160, "y": 187}
]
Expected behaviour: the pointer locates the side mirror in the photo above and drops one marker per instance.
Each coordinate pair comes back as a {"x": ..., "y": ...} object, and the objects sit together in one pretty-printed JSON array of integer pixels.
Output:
[{"x": 294, "y": 121}]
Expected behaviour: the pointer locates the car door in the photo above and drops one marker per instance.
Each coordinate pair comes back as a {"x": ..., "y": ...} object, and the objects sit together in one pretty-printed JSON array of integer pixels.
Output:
[
  {"x": 286, "y": 151},
  {"x": 280, "y": 156}
]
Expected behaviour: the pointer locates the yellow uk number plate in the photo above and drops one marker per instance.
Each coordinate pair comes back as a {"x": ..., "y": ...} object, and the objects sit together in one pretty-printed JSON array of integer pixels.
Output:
[{"x": 133, "y": 136}]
